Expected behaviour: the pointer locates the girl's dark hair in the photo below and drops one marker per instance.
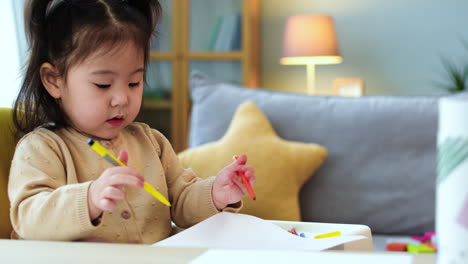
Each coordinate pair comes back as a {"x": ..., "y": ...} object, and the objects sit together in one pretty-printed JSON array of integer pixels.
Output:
[{"x": 66, "y": 32}]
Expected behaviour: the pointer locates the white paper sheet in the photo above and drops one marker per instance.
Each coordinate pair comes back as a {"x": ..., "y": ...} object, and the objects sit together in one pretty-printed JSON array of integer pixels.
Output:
[
  {"x": 239, "y": 231},
  {"x": 227, "y": 256}
]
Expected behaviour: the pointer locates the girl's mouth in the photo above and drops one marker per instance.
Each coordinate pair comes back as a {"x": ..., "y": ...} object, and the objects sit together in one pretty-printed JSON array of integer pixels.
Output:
[{"x": 116, "y": 121}]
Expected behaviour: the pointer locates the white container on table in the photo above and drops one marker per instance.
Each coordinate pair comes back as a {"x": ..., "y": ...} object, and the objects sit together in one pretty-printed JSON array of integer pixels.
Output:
[{"x": 452, "y": 181}]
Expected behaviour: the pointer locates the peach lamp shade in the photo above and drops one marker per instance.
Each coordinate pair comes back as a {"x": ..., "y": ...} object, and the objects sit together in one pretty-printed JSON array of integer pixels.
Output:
[{"x": 310, "y": 40}]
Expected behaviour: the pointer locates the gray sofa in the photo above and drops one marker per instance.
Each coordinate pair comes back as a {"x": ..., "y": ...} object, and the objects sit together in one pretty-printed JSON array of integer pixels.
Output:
[{"x": 381, "y": 167}]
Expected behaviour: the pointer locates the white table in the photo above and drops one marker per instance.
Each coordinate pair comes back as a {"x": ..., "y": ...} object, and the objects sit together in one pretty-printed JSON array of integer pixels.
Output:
[{"x": 46, "y": 252}]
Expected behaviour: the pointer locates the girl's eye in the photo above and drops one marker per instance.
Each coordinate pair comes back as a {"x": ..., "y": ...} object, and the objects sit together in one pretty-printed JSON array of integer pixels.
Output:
[
  {"x": 102, "y": 86},
  {"x": 134, "y": 84}
]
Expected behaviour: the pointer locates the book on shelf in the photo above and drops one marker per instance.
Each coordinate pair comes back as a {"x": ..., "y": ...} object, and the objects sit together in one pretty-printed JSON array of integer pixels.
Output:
[
  {"x": 226, "y": 33},
  {"x": 214, "y": 33},
  {"x": 237, "y": 36}
]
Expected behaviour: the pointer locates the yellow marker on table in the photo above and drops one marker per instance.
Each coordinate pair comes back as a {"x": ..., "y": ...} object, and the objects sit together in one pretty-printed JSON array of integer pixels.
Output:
[
  {"x": 116, "y": 162},
  {"x": 327, "y": 235}
]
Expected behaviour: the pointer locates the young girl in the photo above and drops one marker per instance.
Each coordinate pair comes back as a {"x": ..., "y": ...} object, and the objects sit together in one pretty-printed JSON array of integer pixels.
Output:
[{"x": 85, "y": 80}]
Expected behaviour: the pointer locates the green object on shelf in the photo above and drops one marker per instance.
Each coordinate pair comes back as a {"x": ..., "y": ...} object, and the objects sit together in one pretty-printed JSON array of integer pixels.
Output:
[
  {"x": 214, "y": 34},
  {"x": 157, "y": 94}
]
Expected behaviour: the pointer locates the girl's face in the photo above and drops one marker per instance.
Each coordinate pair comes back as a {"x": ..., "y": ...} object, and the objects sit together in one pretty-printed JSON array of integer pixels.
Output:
[{"x": 103, "y": 94}]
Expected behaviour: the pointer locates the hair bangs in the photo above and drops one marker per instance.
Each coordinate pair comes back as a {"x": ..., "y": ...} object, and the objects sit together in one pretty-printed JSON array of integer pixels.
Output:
[{"x": 109, "y": 38}]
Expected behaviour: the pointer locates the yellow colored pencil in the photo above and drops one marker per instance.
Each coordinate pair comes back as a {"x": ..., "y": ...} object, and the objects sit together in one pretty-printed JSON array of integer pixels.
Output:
[
  {"x": 116, "y": 162},
  {"x": 332, "y": 234}
]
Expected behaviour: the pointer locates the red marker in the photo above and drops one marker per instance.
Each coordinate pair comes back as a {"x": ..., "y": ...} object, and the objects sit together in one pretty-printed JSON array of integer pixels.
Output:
[{"x": 246, "y": 183}]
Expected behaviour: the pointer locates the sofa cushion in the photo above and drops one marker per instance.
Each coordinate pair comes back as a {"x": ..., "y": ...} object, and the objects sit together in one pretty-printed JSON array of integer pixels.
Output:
[
  {"x": 381, "y": 166},
  {"x": 281, "y": 167},
  {"x": 8, "y": 141}
]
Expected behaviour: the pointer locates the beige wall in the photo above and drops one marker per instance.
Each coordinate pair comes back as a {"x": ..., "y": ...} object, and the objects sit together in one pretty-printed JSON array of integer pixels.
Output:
[{"x": 393, "y": 45}]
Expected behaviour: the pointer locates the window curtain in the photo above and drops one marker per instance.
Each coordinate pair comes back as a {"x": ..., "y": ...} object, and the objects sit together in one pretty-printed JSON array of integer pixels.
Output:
[
  {"x": 18, "y": 13},
  {"x": 13, "y": 50}
]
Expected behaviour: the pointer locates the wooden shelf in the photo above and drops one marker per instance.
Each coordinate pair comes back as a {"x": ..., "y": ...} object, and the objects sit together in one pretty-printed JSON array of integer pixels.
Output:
[
  {"x": 154, "y": 55},
  {"x": 157, "y": 104},
  {"x": 215, "y": 55},
  {"x": 202, "y": 55},
  {"x": 180, "y": 57}
]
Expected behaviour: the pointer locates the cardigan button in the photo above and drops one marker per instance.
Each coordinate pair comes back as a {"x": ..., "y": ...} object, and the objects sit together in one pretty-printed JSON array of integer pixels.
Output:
[{"x": 125, "y": 214}]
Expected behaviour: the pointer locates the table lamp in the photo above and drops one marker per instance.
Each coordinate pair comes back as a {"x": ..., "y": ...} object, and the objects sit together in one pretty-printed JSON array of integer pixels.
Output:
[{"x": 310, "y": 40}]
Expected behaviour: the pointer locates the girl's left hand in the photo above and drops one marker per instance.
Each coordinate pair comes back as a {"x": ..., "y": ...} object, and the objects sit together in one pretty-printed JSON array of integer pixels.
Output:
[{"x": 228, "y": 187}]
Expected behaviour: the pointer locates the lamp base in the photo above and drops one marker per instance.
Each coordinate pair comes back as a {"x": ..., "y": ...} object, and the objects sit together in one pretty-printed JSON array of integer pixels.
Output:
[{"x": 311, "y": 79}]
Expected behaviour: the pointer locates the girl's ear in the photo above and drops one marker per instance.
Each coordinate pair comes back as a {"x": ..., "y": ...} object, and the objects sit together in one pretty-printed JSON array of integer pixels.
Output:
[{"x": 51, "y": 80}]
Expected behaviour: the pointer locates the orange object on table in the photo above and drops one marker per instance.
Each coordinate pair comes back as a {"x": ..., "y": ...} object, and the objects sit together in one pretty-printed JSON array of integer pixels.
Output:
[{"x": 397, "y": 246}]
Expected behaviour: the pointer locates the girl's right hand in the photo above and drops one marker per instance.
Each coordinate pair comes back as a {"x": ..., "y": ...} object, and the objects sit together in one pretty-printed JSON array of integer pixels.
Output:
[{"x": 108, "y": 188}]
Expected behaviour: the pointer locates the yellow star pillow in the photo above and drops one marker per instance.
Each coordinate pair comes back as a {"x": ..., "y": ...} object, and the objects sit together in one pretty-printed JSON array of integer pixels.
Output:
[{"x": 281, "y": 167}]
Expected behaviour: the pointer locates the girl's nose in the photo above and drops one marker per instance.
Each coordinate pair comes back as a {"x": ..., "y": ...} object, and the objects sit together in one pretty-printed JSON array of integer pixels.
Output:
[{"x": 119, "y": 97}]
